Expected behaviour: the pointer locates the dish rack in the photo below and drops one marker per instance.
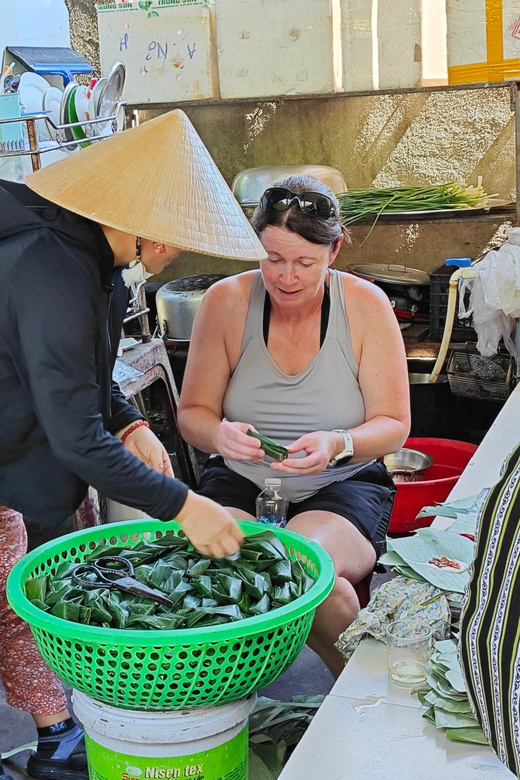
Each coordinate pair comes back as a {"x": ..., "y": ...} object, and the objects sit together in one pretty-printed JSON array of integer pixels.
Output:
[
  {"x": 472, "y": 376},
  {"x": 35, "y": 150}
]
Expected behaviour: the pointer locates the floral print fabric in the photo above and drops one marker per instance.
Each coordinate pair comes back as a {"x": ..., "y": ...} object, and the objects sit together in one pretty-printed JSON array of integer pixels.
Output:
[{"x": 28, "y": 682}]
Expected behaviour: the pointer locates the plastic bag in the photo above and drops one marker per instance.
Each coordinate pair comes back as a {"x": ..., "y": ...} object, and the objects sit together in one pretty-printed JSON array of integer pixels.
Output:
[{"x": 495, "y": 297}]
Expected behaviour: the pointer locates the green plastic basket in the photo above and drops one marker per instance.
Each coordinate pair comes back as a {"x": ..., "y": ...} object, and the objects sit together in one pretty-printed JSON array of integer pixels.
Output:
[{"x": 168, "y": 670}]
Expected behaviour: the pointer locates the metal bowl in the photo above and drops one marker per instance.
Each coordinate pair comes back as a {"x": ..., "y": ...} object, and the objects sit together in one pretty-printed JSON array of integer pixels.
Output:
[
  {"x": 249, "y": 185},
  {"x": 407, "y": 461}
]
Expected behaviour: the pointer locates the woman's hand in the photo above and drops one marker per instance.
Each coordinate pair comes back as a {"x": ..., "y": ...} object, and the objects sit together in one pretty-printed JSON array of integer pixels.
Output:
[
  {"x": 234, "y": 443},
  {"x": 211, "y": 528},
  {"x": 320, "y": 446},
  {"x": 146, "y": 446}
]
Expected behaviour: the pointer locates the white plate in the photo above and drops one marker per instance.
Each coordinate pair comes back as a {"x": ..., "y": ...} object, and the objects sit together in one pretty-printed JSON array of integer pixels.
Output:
[
  {"x": 52, "y": 103},
  {"x": 82, "y": 104},
  {"x": 106, "y": 129},
  {"x": 31, "y": 91},
  {"x": 94, "y": 95},
  {"x": 64, "y": 114}
]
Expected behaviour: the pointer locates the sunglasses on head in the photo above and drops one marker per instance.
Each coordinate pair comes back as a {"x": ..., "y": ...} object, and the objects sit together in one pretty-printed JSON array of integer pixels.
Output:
[{"x": 314, "y": 204}]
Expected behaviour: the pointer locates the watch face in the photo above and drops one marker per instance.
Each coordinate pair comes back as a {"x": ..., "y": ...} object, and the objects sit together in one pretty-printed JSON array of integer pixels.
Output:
[{"x": 343, "y": 460}]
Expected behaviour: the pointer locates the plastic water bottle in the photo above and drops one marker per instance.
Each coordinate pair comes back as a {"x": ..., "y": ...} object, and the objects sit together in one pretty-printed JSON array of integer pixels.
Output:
[{"x": 271, "y": 504}]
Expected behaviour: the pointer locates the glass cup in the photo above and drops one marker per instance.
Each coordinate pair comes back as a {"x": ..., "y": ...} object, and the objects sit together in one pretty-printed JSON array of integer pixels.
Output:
[{"x": 409, "y": 646}]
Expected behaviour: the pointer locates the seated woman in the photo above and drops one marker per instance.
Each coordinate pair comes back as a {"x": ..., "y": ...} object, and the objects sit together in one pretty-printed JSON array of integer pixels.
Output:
[{"x": 313, "y": 358}]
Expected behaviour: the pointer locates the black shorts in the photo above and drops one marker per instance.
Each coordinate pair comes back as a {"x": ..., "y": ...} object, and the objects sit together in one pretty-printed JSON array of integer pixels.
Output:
[{"x": 366, "y": 499}]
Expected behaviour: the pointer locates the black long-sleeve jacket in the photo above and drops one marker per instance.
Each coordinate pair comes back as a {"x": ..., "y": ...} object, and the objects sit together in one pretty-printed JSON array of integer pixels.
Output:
[{"x": 61, "y": 311}]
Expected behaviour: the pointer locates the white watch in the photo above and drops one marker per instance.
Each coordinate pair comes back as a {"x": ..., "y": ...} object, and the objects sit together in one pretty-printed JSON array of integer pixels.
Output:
[{"x": 347, "y": 453}]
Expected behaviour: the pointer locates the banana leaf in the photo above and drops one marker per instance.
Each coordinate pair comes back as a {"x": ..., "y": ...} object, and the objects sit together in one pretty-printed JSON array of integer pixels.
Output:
[
  {"x": 244, "y": 604},
  {"x": 137, "y": 606},
  {"x": 454, "y": 720},
  {"x": 263, "y": 548},
  {"x": 65, "y": 571},
  {"x": 41, "y": 605},
  {"x": 67, "y": 610},
  {"x": 120, "y": 615},
  {"x": 178, "y": 595},
  {"x": 256, "y": 584},
  {"x": 198, "y": 567},
  {"x": 96, "y": 601},
  {"x": 199, "y": 616},
  {"x": 281, "y": 572},
  {"x": 282, "y": 595},
  {"x": 65, "y": 591},
  {"x": 204, "y": 591},
  {"x": 37, "y": 588},
  {"x": 474, "y": 735},
  {"x": 192, "y": 602},
  {"x": 202, "y": 585},
  {"x": 257, "y": 768},
  {"x": 261, "y": 607},
  {"x": 448, "y": 705},
  {"x": 301, "y": 576},
  {"x": 228, "y": 588},
  {"x": 157, "y": 622},
  {"x": 275, "y": 727},
  {"x": 172, "y": 581},
  {"x": 178, "y": 561},
  {"x": 158, "y": 574}
]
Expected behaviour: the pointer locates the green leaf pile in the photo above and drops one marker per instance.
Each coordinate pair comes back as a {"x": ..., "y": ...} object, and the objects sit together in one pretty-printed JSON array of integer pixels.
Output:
[
  {"x": 445, "y": 695},
  {"x": 275, "y": 728},
  {"x": 205, "y": 591}
]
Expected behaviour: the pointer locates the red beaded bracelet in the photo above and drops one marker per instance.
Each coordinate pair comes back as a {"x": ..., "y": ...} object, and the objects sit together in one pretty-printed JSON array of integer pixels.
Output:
[{"x": 134, "y": 427}]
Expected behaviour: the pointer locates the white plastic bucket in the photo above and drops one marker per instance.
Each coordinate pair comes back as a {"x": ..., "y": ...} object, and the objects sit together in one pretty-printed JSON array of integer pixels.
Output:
[{"x": 207, "y": 743}]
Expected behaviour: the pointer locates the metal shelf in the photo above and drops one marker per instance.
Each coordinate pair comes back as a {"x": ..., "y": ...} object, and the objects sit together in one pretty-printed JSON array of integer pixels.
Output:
[{"x": 507, "y": 213}]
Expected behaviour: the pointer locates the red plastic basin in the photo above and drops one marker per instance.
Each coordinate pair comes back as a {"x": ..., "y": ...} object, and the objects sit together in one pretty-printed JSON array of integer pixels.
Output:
[{"x": 450, "y": 458}]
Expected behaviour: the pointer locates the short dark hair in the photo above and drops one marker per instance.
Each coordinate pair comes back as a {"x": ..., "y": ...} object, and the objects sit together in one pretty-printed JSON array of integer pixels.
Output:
[{"x": 313, "y": 229}]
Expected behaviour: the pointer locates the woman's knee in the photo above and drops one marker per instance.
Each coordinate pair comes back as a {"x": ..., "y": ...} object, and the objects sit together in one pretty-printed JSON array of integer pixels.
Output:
[{"x": 352, "y": 554}]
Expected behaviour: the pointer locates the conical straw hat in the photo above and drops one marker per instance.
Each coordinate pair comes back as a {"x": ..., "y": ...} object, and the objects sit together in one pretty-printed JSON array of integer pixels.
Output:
[{"x": 157, "y": 181}]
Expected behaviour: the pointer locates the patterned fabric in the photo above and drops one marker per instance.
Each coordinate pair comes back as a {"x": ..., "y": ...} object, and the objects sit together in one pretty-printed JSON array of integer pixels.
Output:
[
  {"x": 490, "y": 625},
  {"x": 400, "y": 598},
  {"x": 28, "y": 682}
]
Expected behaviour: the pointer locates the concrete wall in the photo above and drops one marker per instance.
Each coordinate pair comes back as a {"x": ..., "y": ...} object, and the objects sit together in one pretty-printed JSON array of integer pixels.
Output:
[{"x": 382, "y": 140}]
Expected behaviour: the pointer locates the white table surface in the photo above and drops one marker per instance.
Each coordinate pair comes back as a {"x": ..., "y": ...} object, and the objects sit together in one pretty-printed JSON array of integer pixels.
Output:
[{"x": 369, "y": 728}]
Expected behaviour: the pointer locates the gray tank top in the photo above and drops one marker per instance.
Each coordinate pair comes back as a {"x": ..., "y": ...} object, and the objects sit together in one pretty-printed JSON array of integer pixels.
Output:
[{"x": 324, "y": 396}]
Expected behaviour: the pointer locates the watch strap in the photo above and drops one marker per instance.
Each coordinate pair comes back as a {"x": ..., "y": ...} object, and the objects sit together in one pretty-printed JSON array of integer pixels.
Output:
[{"x": 347, "y": 452}]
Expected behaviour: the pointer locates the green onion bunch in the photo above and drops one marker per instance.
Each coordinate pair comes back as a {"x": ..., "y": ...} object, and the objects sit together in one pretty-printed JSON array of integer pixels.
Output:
[{"x": 360, "y": 204}]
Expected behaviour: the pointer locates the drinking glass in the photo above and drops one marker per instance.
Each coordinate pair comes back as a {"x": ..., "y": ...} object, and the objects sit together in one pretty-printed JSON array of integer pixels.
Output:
[{"x": 409, "y": 646}]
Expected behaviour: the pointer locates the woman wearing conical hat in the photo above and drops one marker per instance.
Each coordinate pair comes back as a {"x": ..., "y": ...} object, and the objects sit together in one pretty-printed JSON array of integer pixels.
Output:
[{"x": 70, "y": 239}]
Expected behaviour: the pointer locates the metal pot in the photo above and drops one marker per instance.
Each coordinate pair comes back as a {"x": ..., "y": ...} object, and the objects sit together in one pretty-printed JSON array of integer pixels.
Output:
[
  {"x": 407, "y": 288},
  {"x": 178, "y": 302}
]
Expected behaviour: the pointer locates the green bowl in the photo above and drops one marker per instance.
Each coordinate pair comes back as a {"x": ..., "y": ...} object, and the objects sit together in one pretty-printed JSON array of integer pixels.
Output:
[
  {"x": 77, "y": 132},
  {"x": 168, "y": 670}
]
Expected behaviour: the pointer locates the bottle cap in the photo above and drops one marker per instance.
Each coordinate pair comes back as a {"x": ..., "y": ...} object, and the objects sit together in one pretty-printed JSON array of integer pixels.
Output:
[
  {"x": 272, "y": 482},
  {"x": 460, "y": 262}
]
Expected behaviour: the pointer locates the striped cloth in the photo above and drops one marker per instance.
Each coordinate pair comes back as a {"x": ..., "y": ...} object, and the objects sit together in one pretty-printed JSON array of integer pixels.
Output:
[{"x": 490, "y": 624}]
